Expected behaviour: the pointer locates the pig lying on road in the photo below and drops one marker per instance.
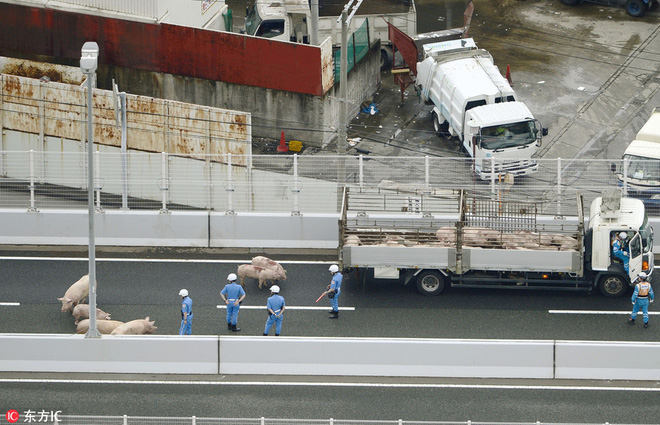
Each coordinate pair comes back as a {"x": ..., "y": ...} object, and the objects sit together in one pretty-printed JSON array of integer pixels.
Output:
[
  {"x": 136, "y": 327},
  {"x": 103, "y": 326},
  {"x": 255, "y": 272},
  {"x": 267, "y": 263},
  {"x": 81, "y": 311},
  {"x": 75, "y": 294}
]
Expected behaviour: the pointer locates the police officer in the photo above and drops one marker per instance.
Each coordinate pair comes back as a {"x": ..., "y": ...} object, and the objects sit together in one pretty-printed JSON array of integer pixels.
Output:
[
  {"x": 275, "y": 306},
  {"x": 334, "y": 289},
  {"x": 640, "y": 299},
  {"x": 232, "y": 294},
  {"x": 186, "y": 313},
  {"x": 620, "y": 250}
]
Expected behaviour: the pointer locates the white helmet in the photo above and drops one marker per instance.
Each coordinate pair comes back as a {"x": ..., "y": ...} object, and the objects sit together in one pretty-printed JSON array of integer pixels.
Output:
[
  {"x": 642, "y": 275},
  {"x": 232, "y": 277},
  {"x": 334, "y": 268},
  {"x": 623, "y": 235},
  {"x": 275, "y": 289},
  {"x": 183, "y": 293}
]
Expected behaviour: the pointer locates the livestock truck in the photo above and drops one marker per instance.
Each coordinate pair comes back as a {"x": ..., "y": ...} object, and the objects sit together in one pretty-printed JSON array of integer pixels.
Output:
[
  {"x": 640, "y": 170},
  {"x": 635, "y": 8},
  {"x": 462, "y": 240},
  {"x": 289, "y": 20},
  {"x": 476, "y": 104}
]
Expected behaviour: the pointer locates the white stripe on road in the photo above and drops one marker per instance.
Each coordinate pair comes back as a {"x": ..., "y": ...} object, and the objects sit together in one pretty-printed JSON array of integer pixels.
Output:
[
  {"x": 593, "y": 312},
  {"x": 10, "y": 304},
  {"x": 155, "y": 260},
  {"x": 328, "y": 384},
  {"x": 302, "y": 307}
]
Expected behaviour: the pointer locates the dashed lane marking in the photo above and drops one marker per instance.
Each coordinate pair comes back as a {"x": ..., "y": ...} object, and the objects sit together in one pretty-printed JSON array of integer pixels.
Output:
[{"x": 301, "y": 307}]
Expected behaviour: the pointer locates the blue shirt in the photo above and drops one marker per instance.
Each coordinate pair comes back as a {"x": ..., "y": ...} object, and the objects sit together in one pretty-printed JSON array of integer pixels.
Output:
[
  {"x": 186, "y": 306},
  {"x": 336, "y": 281},
  {"x": 233, "y": 291},
  {"x": 276, "y": 303}
]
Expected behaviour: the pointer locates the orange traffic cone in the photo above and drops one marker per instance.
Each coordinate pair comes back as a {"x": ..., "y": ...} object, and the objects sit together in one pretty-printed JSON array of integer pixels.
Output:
[
  {"x": 508, "y": 74},
  {"x": 282, "y": 147}
]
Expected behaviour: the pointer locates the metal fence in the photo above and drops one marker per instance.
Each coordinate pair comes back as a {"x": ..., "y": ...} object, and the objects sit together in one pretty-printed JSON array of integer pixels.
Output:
[
  {"x": 286, "y": 184},
  {"x": 139, "y": 420}
]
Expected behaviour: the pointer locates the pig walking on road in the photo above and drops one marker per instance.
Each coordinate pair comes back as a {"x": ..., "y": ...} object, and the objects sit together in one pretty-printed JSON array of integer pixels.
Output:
[
  {"x": 136, "y": 327},
  {"x": 267, "y": 263},
  {"x": 261, "y": 273},
  {"x": 81, "y": 311},
  {"x": 103, "y": 326},
  {"x": 75, "y": 294}
]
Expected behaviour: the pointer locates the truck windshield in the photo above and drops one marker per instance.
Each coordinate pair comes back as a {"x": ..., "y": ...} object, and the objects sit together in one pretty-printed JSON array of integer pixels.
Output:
[
  {"x": 508, "y": 135},
  {"x": 646, "y": 232},
  {"x": 642, "y": 168},
  {"x": 252, "y": 19}
]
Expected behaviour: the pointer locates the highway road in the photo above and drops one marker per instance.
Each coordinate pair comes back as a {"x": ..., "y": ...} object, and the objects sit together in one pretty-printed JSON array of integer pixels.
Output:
[{"x": 132, "y": 288}]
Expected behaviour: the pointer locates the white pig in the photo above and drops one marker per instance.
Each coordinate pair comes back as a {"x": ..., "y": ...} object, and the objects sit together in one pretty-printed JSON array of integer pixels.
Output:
[
  {"x": 136, "y": 327},
  {"x": 267, "y": 263},
  {"x": 81, "y": 311},
  {"x": 103, "y": 326},
  {"x": 255, "y": 272},
  {"x": 76, "y": 293}
]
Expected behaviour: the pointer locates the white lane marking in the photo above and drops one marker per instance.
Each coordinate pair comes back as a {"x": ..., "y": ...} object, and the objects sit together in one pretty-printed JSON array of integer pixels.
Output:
[
  {"x": 155, "y": 260},
  {"x": 327, "y": 384},
  {"x": 595, "y": 312},
  {"x": 303, "y": 307},
  {"x": 10, "y": 304}
]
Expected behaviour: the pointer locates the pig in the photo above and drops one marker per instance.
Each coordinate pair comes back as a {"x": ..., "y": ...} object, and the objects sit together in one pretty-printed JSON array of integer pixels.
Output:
[
  {"x": 255, "y": 272},
  {"x": 103, "y": 326},
  {"x": 136, "y": 327},
  {"x": 75, "y": 294},
  {"x": 81, "y": 311},
  {"x": 267, "y": 263},
  {"x": 352, "y": 240}
]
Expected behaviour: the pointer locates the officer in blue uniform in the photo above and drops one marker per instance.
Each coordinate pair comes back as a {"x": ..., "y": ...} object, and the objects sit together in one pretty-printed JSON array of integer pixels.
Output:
[
  {"x": 620, "y": 250},
  {"x": 232, "y": 294},
  {"x": 275, "y": 306},
  {"x": 640, "y": 299},
  {"x": 186, "y": 313},
  {"x": 334, "y": 289}
]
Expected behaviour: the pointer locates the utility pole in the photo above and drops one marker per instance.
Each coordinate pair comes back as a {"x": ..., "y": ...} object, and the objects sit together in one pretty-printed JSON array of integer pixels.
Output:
[{"x": 314, "y": 25}]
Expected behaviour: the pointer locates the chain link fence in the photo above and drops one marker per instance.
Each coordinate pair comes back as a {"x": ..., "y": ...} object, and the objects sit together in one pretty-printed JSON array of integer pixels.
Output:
[{"x": 37, "y": 180}]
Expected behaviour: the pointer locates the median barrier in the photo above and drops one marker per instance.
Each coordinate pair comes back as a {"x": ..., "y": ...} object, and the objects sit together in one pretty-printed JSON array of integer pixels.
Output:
[
  {"x": 391, "y": 357},
  {"x": 626, "y": 360},
  {"x": 109, "y": 354}
]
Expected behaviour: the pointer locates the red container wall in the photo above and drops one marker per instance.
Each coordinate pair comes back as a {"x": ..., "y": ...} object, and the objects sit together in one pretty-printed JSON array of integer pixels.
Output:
[{"x": 173, "y": 49}]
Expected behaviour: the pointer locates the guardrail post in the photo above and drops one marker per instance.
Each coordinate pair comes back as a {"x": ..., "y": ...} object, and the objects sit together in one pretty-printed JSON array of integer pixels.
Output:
[
  {"x": 492, "y": 175},
  {"x": 263, "y": 420},
  {"x": 295, "y": 186},
  {"x": 229, "y": 187},
  {"x": 97, "y": 181},
  {"x": 194, "y": 420},
  {"x": 361, "y": 170},
  {"x": 625, "y": 176},
  {"x": 32, "y": 207},
  {"x": 125, "y": 419},
  {"x": 332, "y": 421},
  {"x": 124, "y": 154},
  {"x": 164, "y": 181},
  {"x": 559, "y": 187},
  {"x": 426, "y": 172}
]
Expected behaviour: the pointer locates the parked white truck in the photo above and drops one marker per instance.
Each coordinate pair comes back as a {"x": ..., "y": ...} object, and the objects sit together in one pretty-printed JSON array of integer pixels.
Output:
[
  {"x": 641, "y": 163},
  {"x": 475, "y": 103},
  {"x": 458, "y": 239},
  {"x": 289, "y": 20}
]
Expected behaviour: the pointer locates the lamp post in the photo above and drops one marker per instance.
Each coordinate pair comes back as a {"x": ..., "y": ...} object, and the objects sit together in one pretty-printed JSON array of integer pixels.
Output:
[{"x": 88, "y": 64}]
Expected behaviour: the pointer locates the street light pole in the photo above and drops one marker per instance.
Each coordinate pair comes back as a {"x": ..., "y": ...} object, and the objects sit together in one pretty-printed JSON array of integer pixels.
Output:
[{"x": 88, "y": 65}]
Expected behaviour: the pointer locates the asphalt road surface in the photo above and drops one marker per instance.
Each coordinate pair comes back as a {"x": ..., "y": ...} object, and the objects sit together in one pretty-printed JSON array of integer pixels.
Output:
[{"x": 135, "y": 288}]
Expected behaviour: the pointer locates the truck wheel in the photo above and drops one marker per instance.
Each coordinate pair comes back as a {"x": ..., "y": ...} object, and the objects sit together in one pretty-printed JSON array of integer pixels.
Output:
[
  {"x": 384, "y": 60},
  {"x": 440, "y": 129},
  {"x": 613, "y": 286},
  {"x": 430, "y": 283},
  {"x": 570, "y": 2},
  {"x": 636, "y": 8}
]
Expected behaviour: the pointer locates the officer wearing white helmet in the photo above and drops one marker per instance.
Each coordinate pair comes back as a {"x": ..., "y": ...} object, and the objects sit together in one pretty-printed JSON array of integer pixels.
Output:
[
  {"x": 232, "y": 294},
  {"x": 186, "y": 313},
  {"x": 275, "y": 307},
  {"x": 620, "y": 249},
  {"x": 641, "y": 297},
  {"x": 334, "y": 289}
]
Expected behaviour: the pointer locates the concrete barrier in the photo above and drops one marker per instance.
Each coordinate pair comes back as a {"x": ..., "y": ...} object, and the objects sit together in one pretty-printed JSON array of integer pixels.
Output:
[
  {"x": 607, "y": 360},
  {"x": 460, "y": 358},
  {"x": 109, "y": 354}
]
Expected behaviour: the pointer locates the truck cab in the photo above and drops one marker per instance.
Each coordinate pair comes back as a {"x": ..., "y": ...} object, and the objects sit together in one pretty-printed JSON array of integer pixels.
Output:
[{"x": 284, "y": 20}]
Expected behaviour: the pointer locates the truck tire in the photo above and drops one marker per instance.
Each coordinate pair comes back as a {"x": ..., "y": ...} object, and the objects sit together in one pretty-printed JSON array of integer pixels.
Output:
[
  {"x": 636, "y": 8},
  {"x": 384, "y": 60},
  {"x": 613, "y": 286},
  {"x": 430, "y": 283},
  {"x": 570, "y": 2},
  {"x": 440, "y": 129}
]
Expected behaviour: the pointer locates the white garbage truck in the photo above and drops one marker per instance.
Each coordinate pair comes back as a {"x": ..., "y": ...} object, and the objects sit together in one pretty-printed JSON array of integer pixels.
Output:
[
  {"x": 462, "y": 240},
  {"x": 639, "y": 173},
  {"x": 476, "y": 104},
  {"x": 289, "y": 20}
]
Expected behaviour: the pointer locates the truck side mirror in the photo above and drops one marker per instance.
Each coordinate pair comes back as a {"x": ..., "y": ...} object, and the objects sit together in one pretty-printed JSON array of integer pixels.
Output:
[
  {"x": 544, "y": 131},
  {"x": 613, "y": 167}
]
